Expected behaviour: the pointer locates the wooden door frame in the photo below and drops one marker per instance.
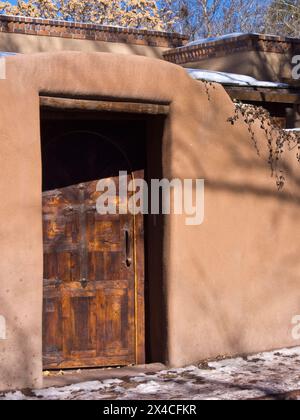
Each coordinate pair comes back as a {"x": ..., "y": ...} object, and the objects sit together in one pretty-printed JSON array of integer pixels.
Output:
[
  {"x": 128, "y": 107},
  {"x": 139, "y": 289}
]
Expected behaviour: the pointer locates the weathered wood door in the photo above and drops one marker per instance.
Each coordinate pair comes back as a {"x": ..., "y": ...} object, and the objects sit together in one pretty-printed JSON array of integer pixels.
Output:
[{"x": 93, "y": 282}]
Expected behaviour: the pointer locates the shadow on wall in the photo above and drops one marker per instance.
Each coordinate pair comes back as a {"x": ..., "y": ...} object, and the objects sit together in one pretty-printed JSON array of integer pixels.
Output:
[
  {"x": 238, "y": 167},
  {"x": 9, "y": 43},
  {"x": 277, "y": 71},
  {"x": 247, "y": 257},
  {"x": 260, "y": 65}
]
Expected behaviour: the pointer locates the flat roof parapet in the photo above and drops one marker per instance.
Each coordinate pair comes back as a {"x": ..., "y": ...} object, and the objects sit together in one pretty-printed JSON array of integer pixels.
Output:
[
  {"x": 220, "y": 47},
  {"x": 90, "y": 31}
]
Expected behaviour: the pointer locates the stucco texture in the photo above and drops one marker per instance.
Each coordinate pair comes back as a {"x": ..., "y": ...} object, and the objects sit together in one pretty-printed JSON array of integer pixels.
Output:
[
  {"x": 275, "y": 67},
  {"x": 29, "y": 44},
  {"x": 232, "y": 283}
]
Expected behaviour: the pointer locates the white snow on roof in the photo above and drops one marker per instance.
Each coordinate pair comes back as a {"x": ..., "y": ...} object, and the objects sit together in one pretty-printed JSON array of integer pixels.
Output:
[
  {"x": 5, "y": 54},
  {"x": 218, "y": 38},
  {"x": 231, "y": 79},
  {"x": 228, "y": 36}
]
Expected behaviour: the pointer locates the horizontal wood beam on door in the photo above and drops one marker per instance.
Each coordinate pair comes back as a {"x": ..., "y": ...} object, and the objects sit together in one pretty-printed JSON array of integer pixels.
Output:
[{"x": 103, "y": 106}]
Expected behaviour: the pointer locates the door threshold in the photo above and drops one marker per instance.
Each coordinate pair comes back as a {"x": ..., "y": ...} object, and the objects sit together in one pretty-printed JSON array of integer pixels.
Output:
[{"x": 70, "y": 377}]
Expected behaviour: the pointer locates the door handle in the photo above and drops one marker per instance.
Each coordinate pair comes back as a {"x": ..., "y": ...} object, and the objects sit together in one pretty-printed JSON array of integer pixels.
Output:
[{"x": 128, "y": 248}]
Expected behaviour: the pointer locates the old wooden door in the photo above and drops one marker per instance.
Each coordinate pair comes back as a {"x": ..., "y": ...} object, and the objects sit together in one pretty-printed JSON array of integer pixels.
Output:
[{"x": 93, "y": 282}]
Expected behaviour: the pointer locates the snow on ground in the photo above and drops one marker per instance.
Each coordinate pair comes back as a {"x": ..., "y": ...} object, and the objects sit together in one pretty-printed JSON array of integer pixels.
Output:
[
  {"x": 231, "y": 79},
  {"x": 258, "y": 376}
]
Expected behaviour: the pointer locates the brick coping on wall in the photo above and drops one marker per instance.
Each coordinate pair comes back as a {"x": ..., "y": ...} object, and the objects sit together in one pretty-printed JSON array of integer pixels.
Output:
[
  {"x": 89, "y": 31},
  {"x": 229, "y": 45}
]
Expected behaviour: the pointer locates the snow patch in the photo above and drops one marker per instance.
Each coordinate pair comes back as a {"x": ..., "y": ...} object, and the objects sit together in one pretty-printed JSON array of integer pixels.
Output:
[
  {"x": 14, "y": 396},
  {"x": 6, "y": 54},
  {"x": 148, "y": 388},
  {"x": 85, "y": 387},
  {"x": 231, "y": 79},
  {"x": 217, "y": 38}
]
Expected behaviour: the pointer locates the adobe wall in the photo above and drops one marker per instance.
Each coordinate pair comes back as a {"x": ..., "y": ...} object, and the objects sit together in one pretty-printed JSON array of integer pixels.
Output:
[
  {"x": 232, "y": 283},
  {"x": 27, "y": 35},
  {"x": 28, "y": 44},
  {"x": 260, "y": 65},
  {"x": 264, "y": 57}
]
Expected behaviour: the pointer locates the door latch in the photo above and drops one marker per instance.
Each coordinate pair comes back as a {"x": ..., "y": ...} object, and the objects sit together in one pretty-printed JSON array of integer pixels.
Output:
[
  {"x": 128, "y": 248},
  {"x": 84, "y": 283}
]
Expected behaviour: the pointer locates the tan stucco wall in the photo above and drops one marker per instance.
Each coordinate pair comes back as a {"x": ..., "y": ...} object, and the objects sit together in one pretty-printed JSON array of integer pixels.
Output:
[
  {"x": 29, "y": 44},
  {"x": 233, "y": 283},
  {"x": 260, "y": 65}
]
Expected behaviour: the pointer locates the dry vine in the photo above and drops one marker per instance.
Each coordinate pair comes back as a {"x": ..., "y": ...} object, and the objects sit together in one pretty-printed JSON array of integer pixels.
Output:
[
  {"x": 277, "y": 138},
  {"x": 208, "y": 86}
]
